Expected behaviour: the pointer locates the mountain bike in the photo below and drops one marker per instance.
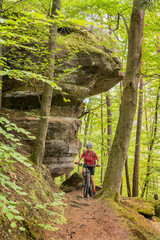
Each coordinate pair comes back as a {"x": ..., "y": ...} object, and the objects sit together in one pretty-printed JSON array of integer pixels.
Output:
[{"x": 86, "y": 184}]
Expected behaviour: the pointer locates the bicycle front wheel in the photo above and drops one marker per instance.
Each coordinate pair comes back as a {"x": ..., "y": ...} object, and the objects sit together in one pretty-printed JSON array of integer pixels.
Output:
[
  {"x": 84, "y": 191},
  {"x": 86, "y": 186}
]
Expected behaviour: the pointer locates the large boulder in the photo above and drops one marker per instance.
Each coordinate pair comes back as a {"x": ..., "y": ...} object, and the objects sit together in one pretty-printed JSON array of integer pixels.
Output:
[
  {"x": 98, "y": 73},
  {"x": 72, "y": 183}
]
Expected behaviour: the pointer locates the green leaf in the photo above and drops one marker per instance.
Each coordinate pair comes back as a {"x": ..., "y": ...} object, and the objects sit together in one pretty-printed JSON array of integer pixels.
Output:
[
  {"x": 13, "y": 225},
  {"x": 3, "y": 197},
  {"x": 48, "y": 227},
  {"x": 19, "y": 218},
  {"x": 1, "y": 204},
  {"x": 5, "y": 210},
  {"x": 13, "y": 210},
  {"x": 39, "y": 206},
  {"x": 21, "y": 193},
  {"x": 12, "y": 203},
  {"x": 22, "y": 229},
  {"x": 10, "y": 216},
  {"x": 2, "y": 20}
]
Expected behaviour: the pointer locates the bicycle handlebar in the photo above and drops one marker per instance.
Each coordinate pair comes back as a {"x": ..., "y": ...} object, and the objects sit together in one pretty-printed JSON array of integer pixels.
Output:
[{"x": 86, "y": 165}]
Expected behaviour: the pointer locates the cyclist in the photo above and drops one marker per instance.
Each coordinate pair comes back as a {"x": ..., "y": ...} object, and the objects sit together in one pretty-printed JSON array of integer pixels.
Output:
[{"x": 90, "y": 158}]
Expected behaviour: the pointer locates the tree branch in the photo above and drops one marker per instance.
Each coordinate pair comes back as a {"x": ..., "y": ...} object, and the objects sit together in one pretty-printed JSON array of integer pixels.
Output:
[
  {"x": 151, "y": 75},
  {"x": 93, "y": 109},
  {"x": 43, "y": 6},
  {"x": 125, "y": 22},
  {"x": 12, "y": 5},
  {"x": 117, "y": 24}
]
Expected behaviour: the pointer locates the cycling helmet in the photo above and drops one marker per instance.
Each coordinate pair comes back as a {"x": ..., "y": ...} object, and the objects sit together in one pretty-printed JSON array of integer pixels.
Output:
[{"x": 89, "y": 145}]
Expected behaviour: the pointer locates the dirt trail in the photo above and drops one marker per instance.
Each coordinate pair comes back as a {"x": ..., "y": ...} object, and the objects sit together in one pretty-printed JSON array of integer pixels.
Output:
[{"x": 89, "y": 219}]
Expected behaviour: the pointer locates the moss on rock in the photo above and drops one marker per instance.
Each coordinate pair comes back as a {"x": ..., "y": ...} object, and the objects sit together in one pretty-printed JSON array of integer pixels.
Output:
[
  {"x": 157, "y": 209},
  {"x": 156, "y": 205},
  {"x": 140, "y": 205}
]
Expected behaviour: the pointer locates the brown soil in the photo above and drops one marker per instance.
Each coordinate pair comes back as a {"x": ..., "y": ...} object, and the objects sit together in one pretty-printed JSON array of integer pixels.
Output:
[{"x": 88, "y": 219}]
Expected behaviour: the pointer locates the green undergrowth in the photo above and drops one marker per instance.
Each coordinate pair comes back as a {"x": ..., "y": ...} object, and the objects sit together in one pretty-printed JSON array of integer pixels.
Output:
[
  {"x": 30, "y": 203},
  {"x": 34, "y": 209},
  {"x": 138, "y": 226}
]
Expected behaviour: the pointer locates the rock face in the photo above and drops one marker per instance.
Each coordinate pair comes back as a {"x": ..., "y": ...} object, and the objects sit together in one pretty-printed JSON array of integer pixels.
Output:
[
  {"x": 91, "y": 70},
  {"x": 62, "y": 144}
]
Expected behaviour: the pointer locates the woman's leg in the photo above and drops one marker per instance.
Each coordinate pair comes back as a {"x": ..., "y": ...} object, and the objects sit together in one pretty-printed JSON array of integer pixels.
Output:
[{"x": 83, "y": 170}]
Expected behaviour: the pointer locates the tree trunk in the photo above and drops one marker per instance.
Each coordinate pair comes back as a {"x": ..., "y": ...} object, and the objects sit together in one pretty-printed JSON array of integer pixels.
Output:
[
  {"x": 119, "y": 149},
  {"x": 102, "y": 142},
  {"x": 127, "y": 178},
  {"x": 39, "y": 148},
  {"x": 154, "y": 132},
  {"x": 138, "y": 141},
  {"x": 109, "y": 121},
  {"x": 1, "y": 67},
  {"x": 146, "y": 117},
  {"x": 86, "y": 126}
]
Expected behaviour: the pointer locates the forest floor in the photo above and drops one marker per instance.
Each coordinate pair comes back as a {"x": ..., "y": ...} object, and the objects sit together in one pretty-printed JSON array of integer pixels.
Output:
[
  {"x": 92, "y": 219},
  {"x": 88, "y": 219}
]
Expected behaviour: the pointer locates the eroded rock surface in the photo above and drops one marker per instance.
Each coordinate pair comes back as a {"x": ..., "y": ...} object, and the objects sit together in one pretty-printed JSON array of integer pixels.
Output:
[
  {"x": 92, "y": 70},
  {"x": 62, "y": 144}
]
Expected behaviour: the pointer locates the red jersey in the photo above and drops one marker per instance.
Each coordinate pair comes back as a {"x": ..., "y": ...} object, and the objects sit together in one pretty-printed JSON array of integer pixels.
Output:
[{"x": 89, "y": 158}]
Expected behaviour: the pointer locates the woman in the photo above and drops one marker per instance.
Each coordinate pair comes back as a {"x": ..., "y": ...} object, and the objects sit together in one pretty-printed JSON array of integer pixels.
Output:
[{"x": 90, "y": 158}]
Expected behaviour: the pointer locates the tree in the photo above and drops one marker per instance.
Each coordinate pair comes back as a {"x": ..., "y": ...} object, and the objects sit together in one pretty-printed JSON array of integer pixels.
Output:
[
  {"x": 102, "y": 135},
  {"x": 118, "y": 154},
  {"x": 109, "y": 121},
  {"x": 138, "y": 141},
  {"x": 39, "y": 148},
  {"x": 152, "y": 140},
  {"x": 87, "y": 122},
  {"x": 127, "y": 178}
]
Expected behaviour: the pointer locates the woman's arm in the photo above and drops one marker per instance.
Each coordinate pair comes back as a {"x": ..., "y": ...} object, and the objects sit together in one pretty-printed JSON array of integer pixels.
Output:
[{"x": 80, "y": 158}]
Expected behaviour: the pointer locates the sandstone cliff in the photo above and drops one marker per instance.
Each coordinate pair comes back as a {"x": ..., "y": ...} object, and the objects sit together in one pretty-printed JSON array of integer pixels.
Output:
[{"x": 91, "y": 70}]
